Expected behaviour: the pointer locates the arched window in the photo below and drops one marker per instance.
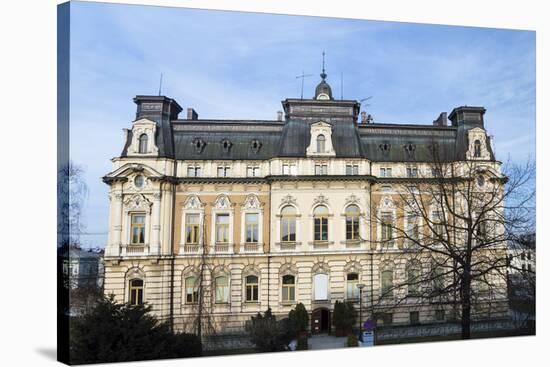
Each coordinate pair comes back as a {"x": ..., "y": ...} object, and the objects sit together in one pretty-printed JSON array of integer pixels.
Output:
[
  {"x": 320, "y": 143},
  {"x": 222, "y": 289},
  {"x": 320, "y": 221},
  {"x": 136, "y": 292},
  {"x": 191, "y": 290},
  {"x": 320, "y": 286},
  {"x": 251, "y": 285},
  {"x": 288, "y": 224},
  {"x": 387, "y": 283},
  {"x": 413, "y": 280},
  {"x": 288, "y": 288},
  {"x": 477, "y": 149},
  {"x": 143, "y": 141},
  {"x": 351, "y": 285},
  {"x": 352, "y": 222}
]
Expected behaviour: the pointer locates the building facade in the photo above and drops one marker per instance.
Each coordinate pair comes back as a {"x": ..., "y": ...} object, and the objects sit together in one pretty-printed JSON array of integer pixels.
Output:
[{"x": 260, "y": 214}]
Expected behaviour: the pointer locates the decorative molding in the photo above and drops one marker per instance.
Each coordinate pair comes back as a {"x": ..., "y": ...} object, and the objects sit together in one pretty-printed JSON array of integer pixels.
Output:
[
  {"x": 288, "y": 200},
  {"x": 251, "y": 202},
  {"x": 223, "y": 202},
  {"x": 137, "y": 202},
  {"x": 352, "y": 199},
  {"x": 320, "y": 200},
  {"x": 193, "y": 203}
]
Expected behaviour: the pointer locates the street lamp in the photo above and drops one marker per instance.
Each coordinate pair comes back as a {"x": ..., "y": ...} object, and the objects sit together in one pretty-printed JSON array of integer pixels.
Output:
[{"x": 360, "y": 286}]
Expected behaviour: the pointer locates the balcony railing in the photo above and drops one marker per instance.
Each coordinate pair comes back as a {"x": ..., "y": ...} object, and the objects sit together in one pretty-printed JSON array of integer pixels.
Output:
[
  {"x": 191, "y": 248},
  {"x": 221, "y": 248},
  {"x": 251, "y": 247},
  {"x": 135, "y": 250}
]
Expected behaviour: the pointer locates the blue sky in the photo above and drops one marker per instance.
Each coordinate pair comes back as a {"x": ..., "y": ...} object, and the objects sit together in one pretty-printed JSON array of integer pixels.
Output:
[{"x": 241, "y": 65}]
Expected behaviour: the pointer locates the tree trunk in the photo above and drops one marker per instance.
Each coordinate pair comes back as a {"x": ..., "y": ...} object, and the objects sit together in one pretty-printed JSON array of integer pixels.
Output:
[{"x": 466, "y": 306}]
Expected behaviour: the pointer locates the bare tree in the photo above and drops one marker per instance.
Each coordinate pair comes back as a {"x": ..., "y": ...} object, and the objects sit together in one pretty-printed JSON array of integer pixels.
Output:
[
  {"x": 448, "y": 225},
  {"x": 72, "y": 191}
]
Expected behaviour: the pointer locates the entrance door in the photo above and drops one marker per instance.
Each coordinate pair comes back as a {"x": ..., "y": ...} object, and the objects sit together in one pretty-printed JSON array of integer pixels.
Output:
[{"x": 320, "y": 321}]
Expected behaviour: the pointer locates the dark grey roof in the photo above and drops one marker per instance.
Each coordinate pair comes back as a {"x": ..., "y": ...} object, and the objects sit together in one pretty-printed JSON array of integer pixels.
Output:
[{"x": 195, "y": 139}]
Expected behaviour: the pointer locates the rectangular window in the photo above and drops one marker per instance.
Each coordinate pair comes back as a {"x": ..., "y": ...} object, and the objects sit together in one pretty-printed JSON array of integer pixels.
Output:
[
  {"x": 321, "y": 229},
  {"x": 438, "y": 224},
  {"x": 412, "y": 172},
  {"x": 192, "y": 228},
  {"x": 138, "y": 229},
  {"x": 352, "y": 282},
  {"x": 352, "y": 169},
  {"x": 252, "y": 171},
  {"x": 352, "y": 228},
  {"x": 224, "y": 171},
  {"x": 321, "y": 169},
  {"x": 222, "y": 228},
  {"x": 387, "y": 227},
  {"x": 385, "y": 172},
  {"x": 387, "y": 283},
  {"x": 191, "y": 290},
  {"x": 412, "y": 227},
  {"x": 413, "y": 278},
  {"x": 440, "y": 315},
  {"x": 222, "y": 289},
  {"x": 251, "y": 283},
  {"x": 136, "y": 292},
  {"x": 320, "y": 284},
  {"x": 288, "y": 229},
  {"x": 289, "y": 169},
  {"x": 251, "y": 226},
  {"x": 193, "y": 171},
  {"x": 288, "y": 288},
  {"x": 414, "y": 318}
]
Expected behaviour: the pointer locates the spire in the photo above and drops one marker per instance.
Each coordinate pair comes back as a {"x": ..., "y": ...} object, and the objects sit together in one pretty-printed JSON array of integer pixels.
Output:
[
  {"x": 323, "y": 74},
  {"x": 323, "y": 90}
]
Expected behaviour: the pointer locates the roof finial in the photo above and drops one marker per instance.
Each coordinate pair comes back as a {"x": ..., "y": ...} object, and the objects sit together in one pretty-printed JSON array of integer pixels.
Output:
[{"x": 323, "y": 74}]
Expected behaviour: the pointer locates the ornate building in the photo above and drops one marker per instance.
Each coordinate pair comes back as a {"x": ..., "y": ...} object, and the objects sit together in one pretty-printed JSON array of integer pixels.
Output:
[{"x": 260, "y": 214}]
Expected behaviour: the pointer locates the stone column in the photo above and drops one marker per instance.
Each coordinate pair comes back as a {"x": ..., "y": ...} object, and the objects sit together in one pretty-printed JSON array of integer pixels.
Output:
[
  {"x": 115, "y": 234},
  {"x": 155, "y": 222}
]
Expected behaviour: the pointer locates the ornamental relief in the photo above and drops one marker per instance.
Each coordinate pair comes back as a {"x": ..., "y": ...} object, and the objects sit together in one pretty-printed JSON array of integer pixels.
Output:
[
  {"x": 288, "y": 200},
  {"x": 193, "y": 202},
  {"x": 137, "y": 202},
  {"x": 352, "y": 199},
  {"x": 321, "y": 199},
  {"x": 222, "y": 202},
  {"x": 251, "y": 202}
]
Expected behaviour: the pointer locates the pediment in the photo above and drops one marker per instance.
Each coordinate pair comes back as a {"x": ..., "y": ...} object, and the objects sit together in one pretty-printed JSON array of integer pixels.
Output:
[{"x": 130, "y": 168}]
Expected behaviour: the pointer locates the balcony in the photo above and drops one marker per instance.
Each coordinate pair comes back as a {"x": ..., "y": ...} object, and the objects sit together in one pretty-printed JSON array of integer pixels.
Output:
[
  {"x": 135, "y": 250},
  {"x": 288, "y": 245},
  {"x": 251, "y": 247},
  {"x": 191, "y": 248},
  {"x": 223, "y": 248}
]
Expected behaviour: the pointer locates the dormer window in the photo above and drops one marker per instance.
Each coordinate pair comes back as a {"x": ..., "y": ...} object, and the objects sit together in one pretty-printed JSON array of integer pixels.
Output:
[
  {"x": 409, "y": 149},
  {"x": 226, "y": 145},
  {"x": 255, "y": 145},
  {"x": 477, "y": 149},
  {"x": 143, "y": 142},
  {"x": 385, "y": 148},
  {"x": 199, "y": 145},
  {"x": 321, "y": 143}
]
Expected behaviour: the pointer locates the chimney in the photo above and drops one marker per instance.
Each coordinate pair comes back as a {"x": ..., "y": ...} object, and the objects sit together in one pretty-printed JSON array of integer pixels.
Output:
[
  {"x": 363, "y": 117},
  {"x": 279, "y": 115},
  {"x": 192, "y": 114},
  {"x": 441, "y": 120}
]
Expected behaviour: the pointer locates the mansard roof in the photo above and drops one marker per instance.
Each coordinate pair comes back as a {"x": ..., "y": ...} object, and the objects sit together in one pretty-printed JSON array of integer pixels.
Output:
[{"x": 235, "y": 139}]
